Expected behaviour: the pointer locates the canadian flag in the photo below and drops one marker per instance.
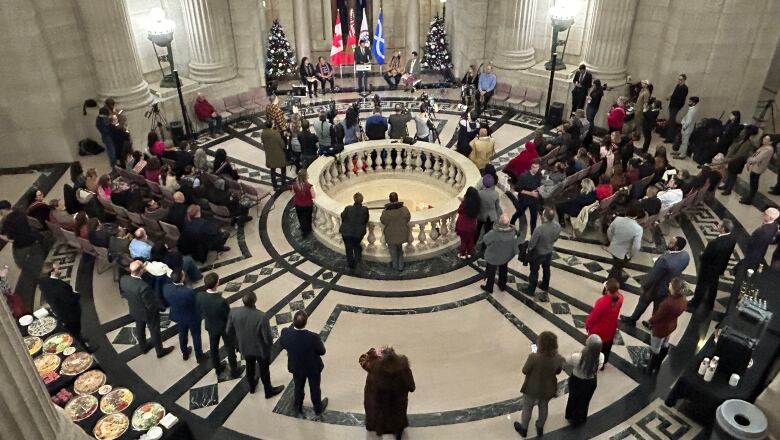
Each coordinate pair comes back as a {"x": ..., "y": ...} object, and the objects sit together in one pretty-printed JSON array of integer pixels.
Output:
[
  {"x": 337, "y": 47},
  {"x": 349, "y": 52}
]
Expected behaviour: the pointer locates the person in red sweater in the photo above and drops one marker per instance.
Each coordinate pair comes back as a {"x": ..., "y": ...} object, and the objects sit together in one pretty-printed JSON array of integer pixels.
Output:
[
  {"x": 206, "y": 113},
  {"x": 616, "y": 116},
  {"x": 664, "y": 322},
  {"x": 522, "y": 162},
  {"x": 466, "y": 224},
  {"x": 303, "y": 200},
  {"x": 603, "y": 318},
  {"x": 604, "y": 188}
]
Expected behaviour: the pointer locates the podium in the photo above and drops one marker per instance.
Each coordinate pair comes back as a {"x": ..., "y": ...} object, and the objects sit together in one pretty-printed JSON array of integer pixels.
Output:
[{"x": 363, "y": 67}]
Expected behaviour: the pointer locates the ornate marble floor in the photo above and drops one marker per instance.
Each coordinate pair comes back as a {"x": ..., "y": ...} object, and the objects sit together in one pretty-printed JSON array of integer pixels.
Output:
[{"x": 466, "y": 347}]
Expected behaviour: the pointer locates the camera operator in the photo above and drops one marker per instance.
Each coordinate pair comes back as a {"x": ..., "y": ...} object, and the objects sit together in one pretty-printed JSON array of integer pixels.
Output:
[
  {"x": 423, "y": 125},
  {"x": 398, "y": 121},
  {"x": 376, "y": 125}
]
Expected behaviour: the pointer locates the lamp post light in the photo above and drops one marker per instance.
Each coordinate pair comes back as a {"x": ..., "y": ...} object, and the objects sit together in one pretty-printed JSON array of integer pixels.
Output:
[
  {"x": 160, "y": 33},
  {"x": 562, "y": 18}
]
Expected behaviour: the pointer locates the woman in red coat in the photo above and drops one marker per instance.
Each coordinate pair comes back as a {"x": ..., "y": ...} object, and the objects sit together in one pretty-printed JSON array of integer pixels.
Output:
[
  {"x": 603, "y": 319},
  {"x": 522, "y": 162},
  {"x": 616, "y": 116},
  {"x": 664, "y": 322},
  {"x": 386, "y": 395},
  {"x": 466, "y": 224}
]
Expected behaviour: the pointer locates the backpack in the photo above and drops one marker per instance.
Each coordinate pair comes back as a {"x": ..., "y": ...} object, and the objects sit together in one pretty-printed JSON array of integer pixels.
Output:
[{"x": 88, "y": 147}]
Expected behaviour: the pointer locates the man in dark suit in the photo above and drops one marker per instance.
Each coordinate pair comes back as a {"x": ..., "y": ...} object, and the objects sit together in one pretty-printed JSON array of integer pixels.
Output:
[
  {"x": 582, "y": 82},
  {"x": 354, "y": 219},
  {"x": 712, "y": 263},
  {"x": 655, "y": 286},
  {"x": 177, "y": 212},
  {"x": 362, "y": 56},
  {"x": 214, "y": 309},
  {"x": 304, "y": 360},
  {"x": 199, "y": 236},
  {"x": 676, "y": 102},
  {"x": 64, "y": 302},
  {"x": 760, "y": 239},
  {"x": 252, "y": 332},
  {"x": 184, "y": 313},
  {"x": 144, "y": 308}
]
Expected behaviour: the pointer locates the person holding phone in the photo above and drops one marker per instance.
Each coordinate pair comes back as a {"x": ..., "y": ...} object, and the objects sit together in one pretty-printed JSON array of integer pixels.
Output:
[{"x": 541, "y": 383}]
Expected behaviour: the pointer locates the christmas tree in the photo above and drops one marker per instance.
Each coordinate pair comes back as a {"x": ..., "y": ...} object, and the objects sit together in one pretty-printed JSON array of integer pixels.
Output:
[
  {"x": 437, "y": 51},
  {"x": 279, "y": 56}
]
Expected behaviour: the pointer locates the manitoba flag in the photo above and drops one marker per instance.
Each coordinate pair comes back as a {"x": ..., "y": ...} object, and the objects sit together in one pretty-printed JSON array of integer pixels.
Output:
[
  {"x": 337, "y": 48},
  {"x": 349, "y": 51}
]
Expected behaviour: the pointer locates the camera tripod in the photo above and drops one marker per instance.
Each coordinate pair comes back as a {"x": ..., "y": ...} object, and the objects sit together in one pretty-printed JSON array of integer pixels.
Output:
[
  {"x": 156, "y": 119},
  {"x": 769, "y": 107}
]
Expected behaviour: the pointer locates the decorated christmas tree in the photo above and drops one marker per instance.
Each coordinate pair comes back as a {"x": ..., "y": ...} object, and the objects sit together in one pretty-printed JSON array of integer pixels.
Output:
[
  {"x": 437, "y": 51},
  {"x": 279, "y": 56}
]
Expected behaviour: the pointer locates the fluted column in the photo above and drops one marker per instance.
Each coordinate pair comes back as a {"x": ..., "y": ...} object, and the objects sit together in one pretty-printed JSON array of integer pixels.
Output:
[
  {"x": 302, "y": 37},
  {"x": 516, "y": 51},
  {"x": 212, "y": 52},
  {"x": 413, "y": 27},
  {"x": 26, "y": 411},
  {"x": 110, "y": 38},
  {"x": 607, "y": 51}
]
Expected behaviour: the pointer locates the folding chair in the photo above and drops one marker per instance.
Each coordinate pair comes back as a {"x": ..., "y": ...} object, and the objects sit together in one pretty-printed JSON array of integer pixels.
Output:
[{"x": 172, "y": 234}]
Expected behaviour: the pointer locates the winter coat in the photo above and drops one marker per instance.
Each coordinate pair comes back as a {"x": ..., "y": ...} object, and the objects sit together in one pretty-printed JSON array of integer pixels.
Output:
[
  {"x": 354, "y": 219},
  {"x": 501, "y": 242},
  {"x": 541, "y": 371},
  {"x": 603, "y": 318},
  {"x": 395, "y": 219},
  {"x": 664, "y": 320},
  {"x": 386, "y": 394},
  {"x": 274, "y": 148}
]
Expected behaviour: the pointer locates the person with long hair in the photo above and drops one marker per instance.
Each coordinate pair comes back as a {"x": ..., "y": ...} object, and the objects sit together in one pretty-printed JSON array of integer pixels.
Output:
[
  {"x": 308, "y": 76},
  {"x": 386, "y": 393},
  {"x": 466, "y": 224},
  {"x": 77, "y": 175},
  {"x": 351, "y": 125},
  {"x": 201, "y": 160},
  {"x": 104, "y": 187},
  {"x": 303, "y": 200},
  {"x": 37, "y": 207},
  {"x": 294, "y": 144},
  {"x": 664, "y": 322},
  {"x": 222, "y": 165},
  {"x": 582, "y": 368},
  {"x": 541, "y": 371},
  {"x": 152, "y": 170},
  {"x": 573, "y": 206},
  {"x": 155, "y": 145},
  {"x": 80, "y": 224},
  {"x": 167, "y": 178},
  {"x": 603, "y": 318}
]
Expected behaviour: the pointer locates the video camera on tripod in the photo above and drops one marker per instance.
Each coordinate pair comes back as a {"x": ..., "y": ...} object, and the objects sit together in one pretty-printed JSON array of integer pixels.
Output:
[{"x": 428, "y": 105}]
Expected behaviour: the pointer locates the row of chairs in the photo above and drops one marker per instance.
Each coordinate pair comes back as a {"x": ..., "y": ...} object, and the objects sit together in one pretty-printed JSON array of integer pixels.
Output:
[
  {"x": 522, "y": 96},
  {"x": 104, "y": 259},
  {"x": 234, "y": 106}
]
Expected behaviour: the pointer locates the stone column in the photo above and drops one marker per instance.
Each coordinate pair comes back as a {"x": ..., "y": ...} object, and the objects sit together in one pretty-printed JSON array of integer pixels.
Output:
[
  {"x": 209, "y": 31},
  {"x": 610, "y": 36},
  {"x": 516, "y": 51},
  {"x": 26, "y": 411},
  {"x": 412, "y": 28},
  {"x": 110, "y": 38},
  {"x": 302, "y": 37}
]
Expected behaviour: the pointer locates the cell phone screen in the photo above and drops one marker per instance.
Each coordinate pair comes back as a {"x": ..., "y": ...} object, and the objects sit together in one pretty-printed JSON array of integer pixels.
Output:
[{"x": 533, "y": 348}]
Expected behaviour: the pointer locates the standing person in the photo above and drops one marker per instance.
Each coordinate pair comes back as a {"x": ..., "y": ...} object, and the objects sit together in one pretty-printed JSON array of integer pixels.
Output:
[
  {"x": 655, "y": 286},
  {"x": 483, "y": 148},
  {"x": 304, "y": 360},
  {"x": 527, "y": 186},
  {"x": 737, "y": 156},
  {"x": 617, "y": 116},
  {"x": 757, "y": 164},
  {"x": 214, "y": 309},
  {"x": 252, "y": 332},
  {"x": 325, "y": 74},
  {"x": 376, "y": 125},
  {"x": 582, "y": 82},
  {"x": 322, "y": 128},
  {"x": 354, "y": 220},
  {"x": 308, "y": 76},
  {"x": 206, "y": 112},
  {"x": 541, "y": 383},
  {"x": 423, "y": 126},
  {"x": 393, "y": 74},
  {"x": 664, "y": 322},
  {"x": 308, "y": 141},
  {"x": 649, "y": 120},
  {"x": 28, "y": 252},
  {"x": 395, "y": 219},
  {"x": 489, "y": 205},
  {"x": 397, "y": 122},
  {"x": 603, "y": 317},
  {"x": 731, "y": 130},
  {"x": 411, "y": 76},
  {"x": 712, "y": 263},
  {"x": 485, "y": 88},
  {"x": 625, "y": 241},
  {"x": 676, "y": 102},
  {"x": 688, "y": 124},
  {"x": 594, "y": 101},
  {"x": 582, "y": 368},
  {"x": 303, "y": 200},
  {"x": 64, "y": 302},
  {"x": 642, "y": 101},
  {"x": 275, "y": 114},
  {"x": 760, "y": 239},
  {"x": 275, "y": 157},
  {"x": 144, "y": 307},
  {"x": 386, "y": 393},
  {"x": 540, "y": 250},
  {"x": 500, "y": 247},
  {"x": 466, "y": 224},
  {"x": 362, "y": 56},
  {"x": 467, "y": 130},
  {"x": 105, "y": 127},
  {"x": 184, "y": 312},
  {"x": 293, "y": 141}
]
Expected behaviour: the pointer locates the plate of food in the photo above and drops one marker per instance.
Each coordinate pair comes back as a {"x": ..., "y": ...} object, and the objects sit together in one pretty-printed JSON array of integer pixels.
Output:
[
  {"x": 57, "y": 343},
  {"x": 147, "y": 415},
  {"x": 111, "y": 426},
  {"x": 76, "y": 363},
  {"x": 81, "y": 407},
  {"x": 42, "y": 327},
  {"x": 89, "y": 382},
  {"x": 46, "y": 363},
  {"x": 116, "y": 401},
  {"x": 33, "y": 343}
]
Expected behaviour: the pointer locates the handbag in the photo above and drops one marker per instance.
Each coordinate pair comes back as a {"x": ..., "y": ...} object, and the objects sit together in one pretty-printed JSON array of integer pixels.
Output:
[{"x": 84, "y": 196}]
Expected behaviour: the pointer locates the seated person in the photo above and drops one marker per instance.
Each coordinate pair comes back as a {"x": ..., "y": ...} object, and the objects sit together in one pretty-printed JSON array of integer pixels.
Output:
[
  {"x": 80, "y": 224},
  {"x": 191, "y": 186},
  {"x": 219, "y": 196},
  {"x": 206, "y": 112},
  {"x": 154, "y": 210},
  {"x": 119, "y": 244},
  {"x": 37, "y": 207},
  {"x": 60, "y": 216},
  {"x": 558, "y": 173},
  {"x": 376, "y": 125},
  {"x": 523, "y": 161},
  {"x": 177, "y": 211},
  {"x": 582, "y": 160},
  {"x": 152, "y": 170},
  {"x": 104, "y": 187},
  {"x": 222, "y": 165},
  {"x": 199, "y": 236},
  {"x": 393, "y": 73},
  {"x": 155, "y": 145},
  {"x": 672, "y": 195},
  {"x": 412, "y": 72},
  {"x": 138, "y": 162},
  {"x": 175, "y": 261},
  {"x": 96, "y": 235},
  {"x": 650, "y": 203},
  {"x": 604, "y": 188},
  {"x": 324, "y": 72},
  {"x": 140, "y": 247},
  {"x": 168, "y": 179},
  {"x": 572, "y": 207},
  {"x": 632, "y": 173},
  {"x": 618, "y": 179}
]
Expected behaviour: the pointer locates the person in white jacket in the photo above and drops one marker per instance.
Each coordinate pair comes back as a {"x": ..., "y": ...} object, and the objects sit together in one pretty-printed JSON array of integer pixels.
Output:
[{"x": 688, "y": 123}]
